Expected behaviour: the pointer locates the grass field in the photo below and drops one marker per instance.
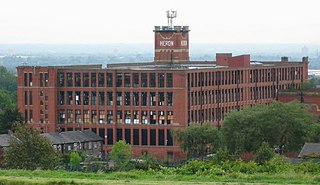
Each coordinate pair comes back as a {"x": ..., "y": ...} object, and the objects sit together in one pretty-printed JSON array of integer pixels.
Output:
[{"x": 141, "y": 177}]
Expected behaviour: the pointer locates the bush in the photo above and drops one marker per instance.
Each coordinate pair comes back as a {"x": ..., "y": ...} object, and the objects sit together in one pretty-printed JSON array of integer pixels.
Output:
[
  {"x": 276, "y": 165},
  {"x": 264, "y": 154},
  {"x": 75, "y": 159},
  {"x": 147, "y": 162},
  {"x": 222, "y": 155},
  {"x": 307, "y": 167}
]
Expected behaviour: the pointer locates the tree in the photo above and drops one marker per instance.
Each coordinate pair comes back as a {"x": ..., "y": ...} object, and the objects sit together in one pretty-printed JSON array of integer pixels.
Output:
[
  {"x": 75, "y": 159},
  {"x": 121, "y": 154},
  {"x": 30, "y": 151},
  {"x": 264, "y": 153},
  {"x": 284, "y": 125},
  {"x": 8, "y": 81},
  {"x": 197, "y": 140},
  {"x": 9, "y": 113}
]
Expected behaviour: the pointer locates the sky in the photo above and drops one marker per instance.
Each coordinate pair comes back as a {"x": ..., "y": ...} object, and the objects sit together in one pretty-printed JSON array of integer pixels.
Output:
[{"x": 132, "y": 21}]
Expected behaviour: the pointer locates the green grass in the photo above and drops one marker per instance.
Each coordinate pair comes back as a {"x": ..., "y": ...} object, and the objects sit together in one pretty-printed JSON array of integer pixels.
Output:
[{"x": 150, "y": 177}]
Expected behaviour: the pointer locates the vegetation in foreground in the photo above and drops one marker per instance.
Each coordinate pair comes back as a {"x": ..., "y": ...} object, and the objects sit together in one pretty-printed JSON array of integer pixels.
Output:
[{"x": 275, "y": 171}]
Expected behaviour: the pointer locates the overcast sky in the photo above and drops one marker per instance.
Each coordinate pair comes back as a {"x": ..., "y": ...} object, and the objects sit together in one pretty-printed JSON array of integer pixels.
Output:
[{"x": 132, "y": 21}]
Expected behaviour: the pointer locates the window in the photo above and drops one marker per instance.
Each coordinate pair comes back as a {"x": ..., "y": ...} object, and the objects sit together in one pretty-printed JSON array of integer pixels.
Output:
[
  {"x": 69, "y": 80},
  {"x": 153, "y": 117},
  {"x": 110, "y": 98},
  {"x": 78, "y": 116},
  {"x": 109, "y": 80},
  {"x": 41, "y": 79},
  {"x": 60, "y": 79},
  {"x": 110, "y": 136},
  {"x": 94, "y": 116},
  {"x": 161, "y": 99},
  {"x": 93, "y": 98},
  {"x": 153, "y": 99},
  {"x": 30, "y": 79},
  {"x": 169, "y": 117},
  {"x": 144, "y": 117},
  {"x": 93, "y": 80},
  {"x": 152, "y": 137},
  {"x": 69, "y": 98},
  {"x": 62, "y": 116},
  {"x": 25, "y": 78},
  {"x": 144, "y": 80},
  {"x": 86, "y": 116},
  {"x": 135, "y": 79},
  {"x": 127, "y": 135},
  {"x": 101, "y": 98},
  {"x": 61, "y": 98},
  {"x": 101, "y": 79},
  {"x": 127, "y": 98},
  {"x": 30, "y": 98},
  {"x": 136, "y": 137},
  {"x": 136, "y": 117},
  {"x": 85, "y": 79},
  {"x": 25, "y": 97},
  {"x": 85, "y": 98},
  {"x": 46, "y": 79},
  {"x": 70, "y": 118},
  {"x": 152, "y": 80},
  {"x": 77, "y": 80},
  {"x": 119, "y": 79},
  {"x": 127, "y": 79},
  {"x": 144, "y": 134},
  {"x": 101, "y": 116},
  {"x": 144, "y": 99},
  {"x": 31, "y": 116},
  {"x": 119, "y": 116},
  {"x": 161, "y": 80},
  {"x": 169, "y": 80},
  {"x": 161, "y": 137},
  {"x": 78, "y": 98},
  {"x": 127, "y": 117},
  {"x": 161, "y": 117},
  {"x": 119, "y": 98},
  {"x": 136, "y": 98},
  {"x": 170, "y": 99},
  {"x": 109, "y": 116}
]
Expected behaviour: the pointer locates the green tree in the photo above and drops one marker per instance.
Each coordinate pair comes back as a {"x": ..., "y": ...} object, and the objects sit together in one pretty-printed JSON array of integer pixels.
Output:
[
  {"x": 75, "y": 159},
  {"x": 264, "y": 153},
  {"x": 121, "y": 154},
  {"x": 30, "y": 151},
  {"x": 284, "y": 125},
  {"x": 9, "y": 113},
  {"x": 8, "y": 81},
  {"x": 197, "y": 140}
]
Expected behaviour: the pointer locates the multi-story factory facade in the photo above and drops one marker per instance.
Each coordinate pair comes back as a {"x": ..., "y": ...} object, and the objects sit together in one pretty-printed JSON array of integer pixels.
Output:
[{"x": 143, "y": 103}]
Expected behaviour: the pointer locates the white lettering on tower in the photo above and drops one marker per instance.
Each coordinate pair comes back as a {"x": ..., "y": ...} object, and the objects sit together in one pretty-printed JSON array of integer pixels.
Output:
[
  {"x": 184, "y": 43},
  {"x": 166, "y": 43}
]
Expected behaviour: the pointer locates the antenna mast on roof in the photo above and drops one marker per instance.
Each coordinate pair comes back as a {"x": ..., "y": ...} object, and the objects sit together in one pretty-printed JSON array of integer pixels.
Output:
[{"x": 170, "y": 15}]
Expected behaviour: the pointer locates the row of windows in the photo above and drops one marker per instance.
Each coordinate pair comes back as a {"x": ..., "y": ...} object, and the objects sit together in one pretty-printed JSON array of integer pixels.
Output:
[
  {"x": 109, "y": 117},
  {"x": 216, "y": 96},
  {"x": 204, "y": 79},
  {"x": 120, "y": 98},
  {"x": 151, "y": 137},
  {"x": 121, "y": 79},
  {"x": 43, "y": 79},
  {"x": 209, "y": 114}
]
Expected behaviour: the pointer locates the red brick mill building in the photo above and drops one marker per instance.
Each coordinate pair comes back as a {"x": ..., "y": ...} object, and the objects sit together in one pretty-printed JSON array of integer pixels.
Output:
[{"x": 143, "y": 102}]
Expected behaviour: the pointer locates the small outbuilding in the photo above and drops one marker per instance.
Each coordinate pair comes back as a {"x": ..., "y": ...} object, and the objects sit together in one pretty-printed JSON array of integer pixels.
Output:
[
  {"x": 310, "y": 150},
  {"x": 86, "y": 141}
]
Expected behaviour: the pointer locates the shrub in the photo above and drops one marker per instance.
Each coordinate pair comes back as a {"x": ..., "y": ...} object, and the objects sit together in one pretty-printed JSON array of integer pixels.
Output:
[
  {"x": 222, "y": 155},
  {"x": 307, "y": 167},
  {"x": 277, "y": 164},
  {"x": 264, "y": 153}
]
